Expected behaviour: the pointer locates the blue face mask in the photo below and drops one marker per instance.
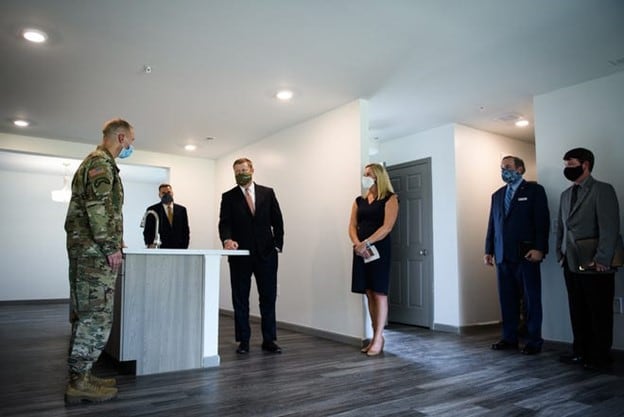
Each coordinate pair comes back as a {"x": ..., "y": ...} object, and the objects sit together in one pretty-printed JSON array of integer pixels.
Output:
[
  {"x": 510, "y": 176},
  {"x": 126, "y": 152}
]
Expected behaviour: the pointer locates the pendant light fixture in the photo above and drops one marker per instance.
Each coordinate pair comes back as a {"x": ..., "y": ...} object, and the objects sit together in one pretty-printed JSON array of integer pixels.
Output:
[{"x": 64, "y": 194}]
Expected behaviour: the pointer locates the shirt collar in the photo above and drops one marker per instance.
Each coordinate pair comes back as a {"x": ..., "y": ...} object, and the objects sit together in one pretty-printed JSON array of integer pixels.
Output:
[
  {"x": 252, "y": 189},
  {"x": 109, "y": 155},
  {"x": 584, "y": 182},
  {"x": 514, "y": 185}
]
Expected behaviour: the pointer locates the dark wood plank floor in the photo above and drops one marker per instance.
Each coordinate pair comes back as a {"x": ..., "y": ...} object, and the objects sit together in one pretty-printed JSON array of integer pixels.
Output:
[{"x": 421, "y": 373}]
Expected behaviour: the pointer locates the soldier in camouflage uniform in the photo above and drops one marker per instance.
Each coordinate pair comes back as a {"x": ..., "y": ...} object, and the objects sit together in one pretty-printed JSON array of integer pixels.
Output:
[{"x": 94, "y": 227}]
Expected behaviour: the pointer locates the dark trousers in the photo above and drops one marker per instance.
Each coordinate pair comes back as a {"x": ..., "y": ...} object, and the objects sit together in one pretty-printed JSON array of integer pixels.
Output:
[
  {"x": 520, "y": 280},
  {"x": 265, "y": 271},
  {"x": 590, "y": 298}
]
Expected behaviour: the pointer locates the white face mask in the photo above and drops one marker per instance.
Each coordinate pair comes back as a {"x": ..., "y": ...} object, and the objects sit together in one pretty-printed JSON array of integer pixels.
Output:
[{"x": 367, "y": 182}]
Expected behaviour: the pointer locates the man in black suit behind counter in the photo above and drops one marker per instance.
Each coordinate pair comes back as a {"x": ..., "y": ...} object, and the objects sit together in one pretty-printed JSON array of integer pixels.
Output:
[
  {"x": 250, "y": 218},
  {"x": 173, "y": 226}
]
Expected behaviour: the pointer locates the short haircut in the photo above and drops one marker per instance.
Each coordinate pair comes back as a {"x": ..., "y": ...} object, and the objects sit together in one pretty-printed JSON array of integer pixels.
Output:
[
  {"x": 582, "y": 155},
  {"x": 518, "y": 162},
  {"x": 161, "y": 186},
  {"x": 113, "y": 126},
  {"x": 242, "y": 161}
]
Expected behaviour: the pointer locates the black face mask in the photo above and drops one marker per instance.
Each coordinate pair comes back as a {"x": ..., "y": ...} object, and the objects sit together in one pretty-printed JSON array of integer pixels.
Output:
[
  {"x": 573, "y": 173},
  {"x": 166, "y": 198}
]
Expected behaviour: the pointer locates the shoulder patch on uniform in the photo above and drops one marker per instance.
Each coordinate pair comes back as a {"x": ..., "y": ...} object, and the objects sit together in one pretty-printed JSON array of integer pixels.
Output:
[{"x": 97, "y": 171}]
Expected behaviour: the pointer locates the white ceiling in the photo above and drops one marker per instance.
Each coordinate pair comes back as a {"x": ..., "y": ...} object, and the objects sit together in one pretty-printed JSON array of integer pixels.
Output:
[{"x": 217, "y": 63}]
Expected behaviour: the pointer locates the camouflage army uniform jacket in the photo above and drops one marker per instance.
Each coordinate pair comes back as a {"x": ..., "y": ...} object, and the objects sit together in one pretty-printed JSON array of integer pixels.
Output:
[{"x": 94, "y": 222}]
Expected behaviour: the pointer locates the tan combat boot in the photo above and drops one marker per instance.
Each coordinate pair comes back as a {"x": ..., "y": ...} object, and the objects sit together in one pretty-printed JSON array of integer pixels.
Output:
[
  {"x": 81, "y": 388},
  {"x": 102, "y": 382}
]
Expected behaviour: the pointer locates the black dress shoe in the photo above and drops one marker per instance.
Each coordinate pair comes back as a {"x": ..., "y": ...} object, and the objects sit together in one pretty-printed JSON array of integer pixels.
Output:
[
  {"x": 243, "y": 348},
  {"x": 597, "y": 366},
  {"x": 531, "y": 350},
  {"x": 522, "y": 330},
  {"x": 504, "y": 345},
  {"x": 271, "y": 347},
  {"x": 571, "y": 359}
]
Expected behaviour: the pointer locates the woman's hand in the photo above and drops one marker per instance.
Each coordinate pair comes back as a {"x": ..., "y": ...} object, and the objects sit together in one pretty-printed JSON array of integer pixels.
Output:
[{"x": 361, "y": 249}]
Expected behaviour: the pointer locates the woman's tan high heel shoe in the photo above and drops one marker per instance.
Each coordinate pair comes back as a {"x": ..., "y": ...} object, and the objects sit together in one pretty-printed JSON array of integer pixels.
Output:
[{"x": 370, "y": 352}]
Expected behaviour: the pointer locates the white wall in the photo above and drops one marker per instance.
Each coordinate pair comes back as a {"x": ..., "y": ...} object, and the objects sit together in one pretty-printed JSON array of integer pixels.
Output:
[
  {"x": 585, "y": 115},
  {"x": 34, "y": 258},
  {"x": 33, "y": 252},
  {"x": 315, "y": 169},
  {"x": 478, "y": 157}
]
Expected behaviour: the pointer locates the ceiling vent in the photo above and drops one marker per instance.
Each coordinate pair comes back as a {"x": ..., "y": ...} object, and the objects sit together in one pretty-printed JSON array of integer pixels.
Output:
[{"x": 510, "y": 117}]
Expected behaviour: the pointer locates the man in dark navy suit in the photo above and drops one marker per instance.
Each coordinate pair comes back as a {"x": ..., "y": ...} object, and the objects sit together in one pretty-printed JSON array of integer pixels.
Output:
[
  {"x": 173, "y": 226},
  {"x": 517, "y": 241},
  {"x": 250, "y": 218}
]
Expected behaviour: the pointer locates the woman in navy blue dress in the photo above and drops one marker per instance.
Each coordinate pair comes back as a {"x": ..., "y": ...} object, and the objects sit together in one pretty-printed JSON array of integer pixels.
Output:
[{"x": 372, "y": 217}]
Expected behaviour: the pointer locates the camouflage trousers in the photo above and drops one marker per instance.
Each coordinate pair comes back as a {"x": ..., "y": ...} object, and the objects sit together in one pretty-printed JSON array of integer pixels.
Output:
[{"x": 92, "y": 290}]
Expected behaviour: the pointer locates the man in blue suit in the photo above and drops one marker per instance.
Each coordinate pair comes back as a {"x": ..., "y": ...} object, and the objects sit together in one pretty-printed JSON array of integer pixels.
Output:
[{"x": 517, "y": 241}]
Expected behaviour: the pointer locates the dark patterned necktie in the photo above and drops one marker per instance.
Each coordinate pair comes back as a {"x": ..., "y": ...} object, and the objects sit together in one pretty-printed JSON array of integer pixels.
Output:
[{"x": 574, "y": 197}]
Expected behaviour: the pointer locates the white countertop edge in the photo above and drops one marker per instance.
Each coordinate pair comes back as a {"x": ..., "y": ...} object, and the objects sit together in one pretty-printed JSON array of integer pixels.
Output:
[{"x": 145, "y": 251}]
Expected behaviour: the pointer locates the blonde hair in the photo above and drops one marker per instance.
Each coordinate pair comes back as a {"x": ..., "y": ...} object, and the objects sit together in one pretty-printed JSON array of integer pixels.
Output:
[{"x": 384, "y": 186}]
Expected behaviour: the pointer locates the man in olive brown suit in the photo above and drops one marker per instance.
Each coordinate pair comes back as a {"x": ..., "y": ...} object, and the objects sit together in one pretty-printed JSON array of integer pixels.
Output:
[{"x": 588, "y": 209}]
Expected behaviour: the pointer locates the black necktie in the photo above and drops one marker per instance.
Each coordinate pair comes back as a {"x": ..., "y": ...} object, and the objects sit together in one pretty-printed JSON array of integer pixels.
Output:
[{"x": 575, "y": 189}]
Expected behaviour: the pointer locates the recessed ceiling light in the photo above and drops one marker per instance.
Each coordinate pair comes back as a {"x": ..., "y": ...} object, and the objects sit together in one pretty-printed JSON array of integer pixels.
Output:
[
  {"x": 21, "y": 123},
  {"x": 284, "y": 95},
  {"x": 35, "y": 35},
  {"x": 522, "y": 123},
  {"x": 190, "y": 147}
]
